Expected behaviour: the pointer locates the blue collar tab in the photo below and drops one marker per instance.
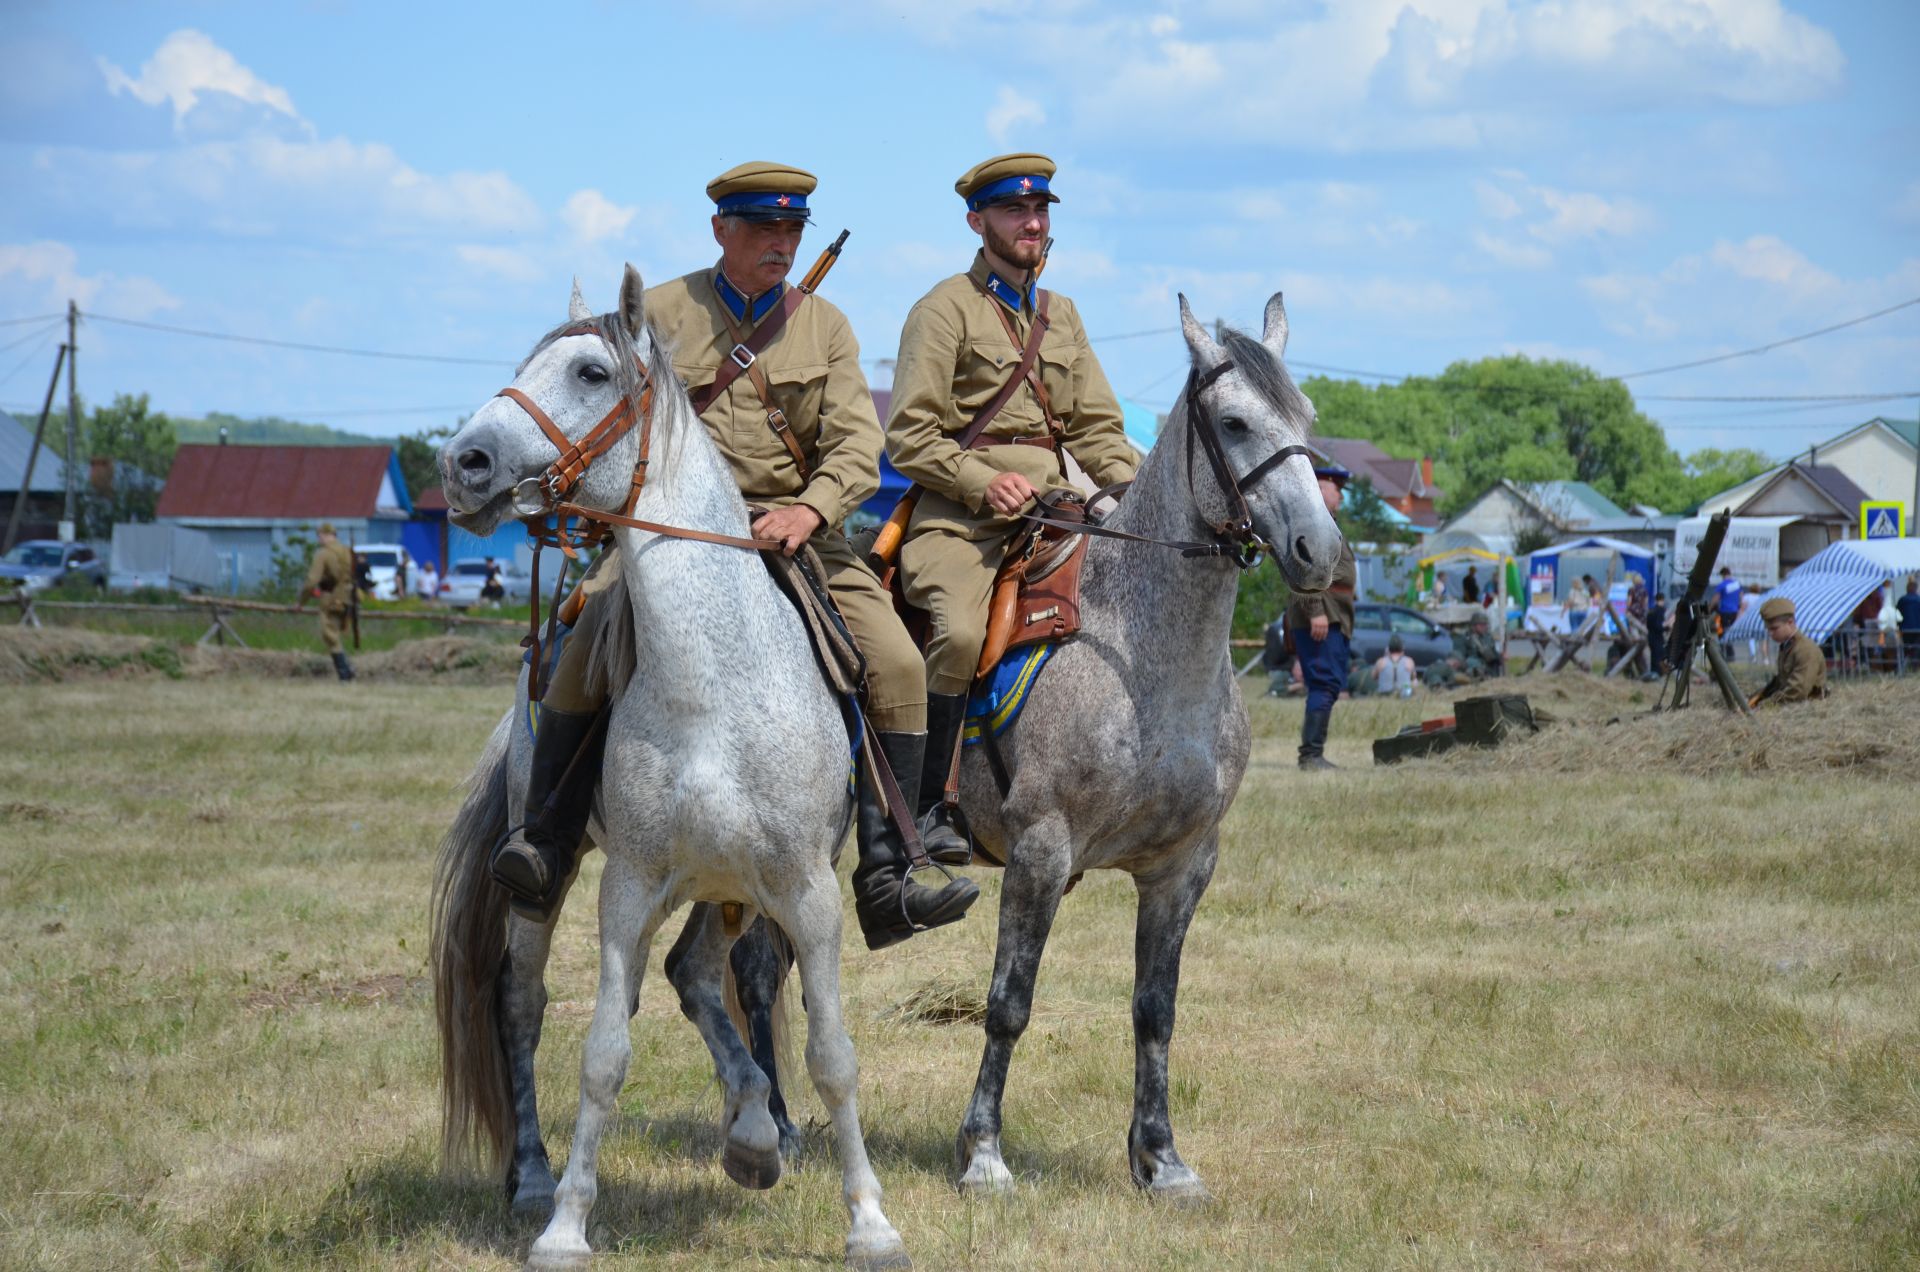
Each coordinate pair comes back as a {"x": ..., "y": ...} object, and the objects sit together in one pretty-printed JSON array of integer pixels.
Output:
[
  {"x": 764, "y": 202},
  {"x": 736, "y": 301},
  {"x": 1007, "y": 188},
  {"x": 1007, "y": 294}
]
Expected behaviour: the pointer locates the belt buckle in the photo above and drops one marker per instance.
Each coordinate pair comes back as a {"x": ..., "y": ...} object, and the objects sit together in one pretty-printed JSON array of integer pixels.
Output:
[
  {"x": 742, "y": 356},
  {"x": 777, "y": 420}
]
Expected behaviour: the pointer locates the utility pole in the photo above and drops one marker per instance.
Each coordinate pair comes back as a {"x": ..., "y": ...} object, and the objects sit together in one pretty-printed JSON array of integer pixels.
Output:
[
  {"x": 1913, "y": 509},
  {"x": 33, "y": 454},
  {"x": 67, "y": 529}
]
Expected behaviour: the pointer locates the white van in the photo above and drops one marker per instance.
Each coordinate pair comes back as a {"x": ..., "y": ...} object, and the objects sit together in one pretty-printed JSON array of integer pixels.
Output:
[{"x": 383, "y": 567}]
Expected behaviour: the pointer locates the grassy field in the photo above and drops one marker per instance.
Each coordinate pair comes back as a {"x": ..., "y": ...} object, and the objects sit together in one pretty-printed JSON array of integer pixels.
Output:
[{"x": 1474, "y": 1012}]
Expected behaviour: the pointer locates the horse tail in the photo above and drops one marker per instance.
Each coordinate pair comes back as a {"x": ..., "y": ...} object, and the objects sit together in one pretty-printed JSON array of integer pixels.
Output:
[
  {"x": 469, "y": 941},
  {"x": 777, "y": 1011}
]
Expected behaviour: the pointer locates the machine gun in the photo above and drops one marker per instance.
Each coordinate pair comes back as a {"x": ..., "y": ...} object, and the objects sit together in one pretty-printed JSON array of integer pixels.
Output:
[{"x": 1693, "y": 632}]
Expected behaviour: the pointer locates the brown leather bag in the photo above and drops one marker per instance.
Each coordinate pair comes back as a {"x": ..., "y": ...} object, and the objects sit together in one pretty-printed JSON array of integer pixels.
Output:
[{"x": 1036, "y": 594}]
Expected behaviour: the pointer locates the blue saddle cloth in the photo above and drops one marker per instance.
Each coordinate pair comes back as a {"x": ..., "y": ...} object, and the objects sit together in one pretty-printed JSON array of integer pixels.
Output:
[{"x": 993, "y": 707}]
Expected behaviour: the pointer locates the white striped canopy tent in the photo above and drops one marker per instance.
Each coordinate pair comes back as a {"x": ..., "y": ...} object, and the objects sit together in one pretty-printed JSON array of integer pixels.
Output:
[{"x": 1830, "y": 584}]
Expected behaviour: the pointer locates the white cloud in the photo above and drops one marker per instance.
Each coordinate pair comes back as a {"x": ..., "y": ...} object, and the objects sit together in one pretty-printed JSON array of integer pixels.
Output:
[
  {"x": 51, "y": 271},
  {"x": 188, "y": 64},
  {"x": 508, "y": 263},
  {"x": 1011, "y": 110},
  {"x": 1764, "y": 258},
  {"x": 592, "y": 216},
  {"x": 1578, "y": 215},
  {"x": 1511, "y": 254},
  {"x": 1495, "y": 202}
]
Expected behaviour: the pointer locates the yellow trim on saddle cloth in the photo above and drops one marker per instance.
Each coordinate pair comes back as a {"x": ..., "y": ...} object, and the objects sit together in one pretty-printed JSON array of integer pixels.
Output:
[{"x": 1007, "y": 690}]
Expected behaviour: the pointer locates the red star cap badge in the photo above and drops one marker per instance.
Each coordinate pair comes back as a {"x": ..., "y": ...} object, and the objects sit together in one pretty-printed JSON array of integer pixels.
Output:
[
  {"x": 1026, "y": 183},
  {"x": 784, "y": 200}
]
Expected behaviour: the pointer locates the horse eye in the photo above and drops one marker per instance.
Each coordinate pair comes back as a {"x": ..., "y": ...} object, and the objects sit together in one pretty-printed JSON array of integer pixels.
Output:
[
  {"x": 593, "y": 373},
  {"x": 1234, "y": 424}
]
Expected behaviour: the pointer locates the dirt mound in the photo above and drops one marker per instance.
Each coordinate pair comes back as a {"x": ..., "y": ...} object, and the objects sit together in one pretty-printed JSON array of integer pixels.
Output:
[
  {"x": 1867, "y": 728},
  {"x": 52, "y": 654}
]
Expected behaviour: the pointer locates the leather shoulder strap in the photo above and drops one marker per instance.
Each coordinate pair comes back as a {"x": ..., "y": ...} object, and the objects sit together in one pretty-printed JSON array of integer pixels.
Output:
[
  {"x": 742, "y": 355},
  {"x": 776, "y": 418},
  {"x": 1028, "y": 353}
]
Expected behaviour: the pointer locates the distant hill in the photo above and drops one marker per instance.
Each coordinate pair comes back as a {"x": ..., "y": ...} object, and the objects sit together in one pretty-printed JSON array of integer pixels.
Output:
[{"x": 268, "y": 430}]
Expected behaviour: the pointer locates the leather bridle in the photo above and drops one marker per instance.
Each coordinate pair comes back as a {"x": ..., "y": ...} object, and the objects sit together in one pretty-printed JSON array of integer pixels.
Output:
[{"x": 1235, "y": 535}]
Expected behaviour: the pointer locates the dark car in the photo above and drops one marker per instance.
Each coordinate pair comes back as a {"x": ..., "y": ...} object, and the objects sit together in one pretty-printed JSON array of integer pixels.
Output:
[
  {"x": 1424, "y": 640},
  {"x": 41, "y": 563}
]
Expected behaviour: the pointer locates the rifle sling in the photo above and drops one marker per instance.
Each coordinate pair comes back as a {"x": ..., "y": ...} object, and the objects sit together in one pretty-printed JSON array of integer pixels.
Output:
[
  {"x": 730, "y": 371},
  {"x": 762, "y": 336}
]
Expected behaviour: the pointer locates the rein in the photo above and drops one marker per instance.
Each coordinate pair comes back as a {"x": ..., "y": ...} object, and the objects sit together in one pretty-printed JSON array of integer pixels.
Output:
[
  {"x": 1234, "y": 538},
  {"x": 547, "y": 494}
]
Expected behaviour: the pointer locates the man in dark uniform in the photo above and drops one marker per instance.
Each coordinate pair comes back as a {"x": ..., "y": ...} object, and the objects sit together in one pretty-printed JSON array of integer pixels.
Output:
[
  {"x": 1479, "y": 652},
  {"x": 1800, "y": 673},
  {"x": 1322, "y": 624}
]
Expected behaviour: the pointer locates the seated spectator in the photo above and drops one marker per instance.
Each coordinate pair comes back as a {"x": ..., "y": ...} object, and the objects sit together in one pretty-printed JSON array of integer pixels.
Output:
[
  {"x": 1478, "y": 651},
  {"x": 1909, "y": 607},
  {"x": 1801, "y": 673},
  {"x": 1360, "y": 681},
  {"x": 1394, "y": 673}
]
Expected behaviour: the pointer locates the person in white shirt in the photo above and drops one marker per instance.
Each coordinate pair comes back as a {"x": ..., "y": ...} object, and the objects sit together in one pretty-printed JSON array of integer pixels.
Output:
[
  {"x": 427, "y": 581},
  {"x": 1394, "y": 672}
]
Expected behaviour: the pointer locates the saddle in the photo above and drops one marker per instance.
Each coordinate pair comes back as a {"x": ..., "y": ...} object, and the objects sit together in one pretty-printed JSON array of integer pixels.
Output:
[{"x": 1036, "y": 594}]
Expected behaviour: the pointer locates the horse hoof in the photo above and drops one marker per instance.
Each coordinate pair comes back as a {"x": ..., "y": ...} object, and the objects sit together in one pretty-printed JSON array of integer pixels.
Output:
[
  {"x": 987, "y": 1179},
  {"x": 751, "y": 1168},
  {"x": 878, "y": 1255},
  {"x": 1190, "y": 1195},
  {"x": 533, "y": 1202},
  {"x": 557, "y": 1259}
]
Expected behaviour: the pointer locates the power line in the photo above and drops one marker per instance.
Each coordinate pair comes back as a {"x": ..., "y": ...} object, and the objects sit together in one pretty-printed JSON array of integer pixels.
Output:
[
  {"x": 1834, "y": 398},
  {"x": 15, "y": 322},
  {"x": 1777, "y": 344},
  {"x": 31, "y": 335},
  {"x": 294, "y": 344},
  {"x": 32, "y": 353}
]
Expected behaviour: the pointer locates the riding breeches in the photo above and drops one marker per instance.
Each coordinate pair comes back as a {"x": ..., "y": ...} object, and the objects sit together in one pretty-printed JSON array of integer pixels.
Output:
[
  {"x": 896, "y": 678},
  {"x": 1323, "y": 666},
  {"x": 333, "y": 625},
  {"x": 951, "y": 578}
]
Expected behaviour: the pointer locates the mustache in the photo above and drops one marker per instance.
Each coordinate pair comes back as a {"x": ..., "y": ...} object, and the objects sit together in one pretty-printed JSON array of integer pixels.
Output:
[{"x": 776, "y": 258}]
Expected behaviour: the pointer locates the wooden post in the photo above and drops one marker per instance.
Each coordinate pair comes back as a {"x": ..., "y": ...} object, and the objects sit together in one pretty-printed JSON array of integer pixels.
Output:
[{"x": 33, "y": 453}]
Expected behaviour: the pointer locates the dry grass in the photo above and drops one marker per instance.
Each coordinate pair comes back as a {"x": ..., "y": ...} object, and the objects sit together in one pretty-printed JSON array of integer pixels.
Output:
[
  {"x": 66, "y": 654},
  {"x": 1598, "y": 1013}
]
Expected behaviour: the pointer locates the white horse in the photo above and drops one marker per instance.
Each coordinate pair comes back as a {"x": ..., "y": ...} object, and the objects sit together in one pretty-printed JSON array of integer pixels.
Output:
[{"x": 718, "y": 786}]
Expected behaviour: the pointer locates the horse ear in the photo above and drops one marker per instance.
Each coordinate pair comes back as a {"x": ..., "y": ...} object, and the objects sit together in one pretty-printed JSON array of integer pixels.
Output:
[
  {"x": 1275, "y": 335},
  {"x": 577, "y": 310},
  {"x": 1206, "y": 354},
  {"x": 630, "y": 289}
]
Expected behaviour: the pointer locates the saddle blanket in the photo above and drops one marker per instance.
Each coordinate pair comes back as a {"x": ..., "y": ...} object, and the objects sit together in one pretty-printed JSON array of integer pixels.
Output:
[{"x": 995, "y": 702}]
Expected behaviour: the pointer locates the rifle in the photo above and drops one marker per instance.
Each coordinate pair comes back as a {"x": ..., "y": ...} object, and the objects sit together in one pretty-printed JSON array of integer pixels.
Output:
[
  {"x": 886, "y": 542},
  {"x": 818, "y": 274},
  {"x": 353, "y": 590},
  {"x": 1693, "y": 632}
]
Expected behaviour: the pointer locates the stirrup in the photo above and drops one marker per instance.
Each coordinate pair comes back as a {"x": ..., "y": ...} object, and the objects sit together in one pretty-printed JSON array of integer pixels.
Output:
[{"x": 536, "y": 907}]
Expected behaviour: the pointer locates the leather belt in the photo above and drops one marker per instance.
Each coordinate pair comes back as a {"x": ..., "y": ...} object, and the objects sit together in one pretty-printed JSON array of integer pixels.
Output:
[{"x": 1044, "y": 443}]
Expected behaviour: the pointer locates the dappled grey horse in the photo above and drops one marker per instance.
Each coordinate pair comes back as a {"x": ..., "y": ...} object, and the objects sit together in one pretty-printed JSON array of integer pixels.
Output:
[
  {"x": 1133, "y": 742},
  {"x": 719, "y": 787}
]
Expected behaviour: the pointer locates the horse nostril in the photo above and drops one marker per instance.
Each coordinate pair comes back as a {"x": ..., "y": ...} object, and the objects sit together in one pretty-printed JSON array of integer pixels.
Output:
[
  {"x": 1300, "y": 550},
  {"x": 475, "y": 462}
]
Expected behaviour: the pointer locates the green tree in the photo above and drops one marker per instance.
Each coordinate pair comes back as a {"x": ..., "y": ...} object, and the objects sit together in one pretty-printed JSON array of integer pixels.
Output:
[
  {"x": 140, "y": 443},
  {"x": 420, "y": 457}
]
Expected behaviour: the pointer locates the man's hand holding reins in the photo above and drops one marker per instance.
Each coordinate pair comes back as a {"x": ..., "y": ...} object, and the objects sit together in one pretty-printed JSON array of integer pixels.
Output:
[
  {"x": 1009, "y": 493},
  {"x": 789, "y": 527}
]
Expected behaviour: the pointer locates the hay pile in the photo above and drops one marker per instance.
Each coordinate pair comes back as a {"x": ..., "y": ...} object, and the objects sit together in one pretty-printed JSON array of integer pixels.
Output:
[
  {"x": 55, "y": 654},
  {"x": 1868, "y": 728}
]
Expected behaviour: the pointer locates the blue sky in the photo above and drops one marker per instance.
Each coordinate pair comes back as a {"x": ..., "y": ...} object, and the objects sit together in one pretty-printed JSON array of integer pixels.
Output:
[{"x": 1629, "y": 183}]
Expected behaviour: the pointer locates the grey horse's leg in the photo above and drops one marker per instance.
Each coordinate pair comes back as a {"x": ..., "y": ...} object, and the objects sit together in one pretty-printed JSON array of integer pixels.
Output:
[
  {"x": 629, "y": 917},
  {"x": 523, "y": 1006},
  {"x": 1036, "y": 878},
  {"x": 761, "y": 959},
  {"x": 694, "y": 968},
  {"x": 1167, "y": 902}
]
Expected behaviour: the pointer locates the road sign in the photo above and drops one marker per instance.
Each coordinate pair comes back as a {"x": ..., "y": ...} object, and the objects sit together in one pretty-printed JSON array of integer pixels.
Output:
[{"x": 1883, "y": 519}]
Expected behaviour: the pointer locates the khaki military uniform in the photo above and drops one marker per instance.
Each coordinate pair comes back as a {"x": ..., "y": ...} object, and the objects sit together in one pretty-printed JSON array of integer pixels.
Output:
[
  {"x": 1336, "y": 602},
  {"x": 954, "y": 357},
  {"x": 332, "y": 573},
  {"x": 1479, "y": 651},
  {"x": 813, "y": 371},
  {"x": 1799, "y": 674}
]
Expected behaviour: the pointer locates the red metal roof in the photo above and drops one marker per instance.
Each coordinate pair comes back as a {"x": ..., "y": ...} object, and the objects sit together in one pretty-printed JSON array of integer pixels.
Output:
[
  {"x": 274, "y": 481},
  {"x": 432, "y": 499}
]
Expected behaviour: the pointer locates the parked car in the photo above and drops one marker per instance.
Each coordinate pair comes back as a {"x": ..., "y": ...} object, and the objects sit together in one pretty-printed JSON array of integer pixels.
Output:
[
  {"x": 42, "y": 563},
  {"x": 383, "y": 565},
  {"x": 1424, "y": 640},
  {"x": 461, "y": 583}
]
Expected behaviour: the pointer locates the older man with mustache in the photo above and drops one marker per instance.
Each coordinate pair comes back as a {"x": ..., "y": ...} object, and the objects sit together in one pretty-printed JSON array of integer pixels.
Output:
[{"x": 796, "y": 423}]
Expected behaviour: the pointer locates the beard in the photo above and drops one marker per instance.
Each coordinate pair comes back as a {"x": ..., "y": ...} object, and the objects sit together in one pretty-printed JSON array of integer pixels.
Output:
[{"x": 1024, "y": 253}]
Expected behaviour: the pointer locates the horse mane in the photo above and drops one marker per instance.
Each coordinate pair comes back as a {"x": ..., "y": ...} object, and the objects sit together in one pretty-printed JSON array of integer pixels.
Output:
[
  {"x": 1266, "y": 374},
  {"x": 624, "y": 352}
]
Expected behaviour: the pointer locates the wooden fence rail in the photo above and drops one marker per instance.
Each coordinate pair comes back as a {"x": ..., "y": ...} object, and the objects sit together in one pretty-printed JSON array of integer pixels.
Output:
[{"x": 219, "y": 608}]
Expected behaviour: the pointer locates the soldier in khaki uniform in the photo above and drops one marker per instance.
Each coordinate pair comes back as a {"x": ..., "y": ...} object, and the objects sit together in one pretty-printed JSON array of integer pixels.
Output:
[
  {"x": 1322, "y": 624},
  {"x": 330, "y": 581},
  {"x": 1800, "y": 673},
  {"x": 961, "y": 343},
  {"x": 799, "y": 431}
]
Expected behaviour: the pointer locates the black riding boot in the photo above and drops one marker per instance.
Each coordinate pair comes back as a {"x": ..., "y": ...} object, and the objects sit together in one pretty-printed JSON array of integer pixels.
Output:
[
  {"x": 938, "y": 835},
  {"x": 890, "y": 905},
  {"x": 535, "y": 860},
  {"x": 1313, "y": 740},
  {"x": 341, "y": 666}
]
